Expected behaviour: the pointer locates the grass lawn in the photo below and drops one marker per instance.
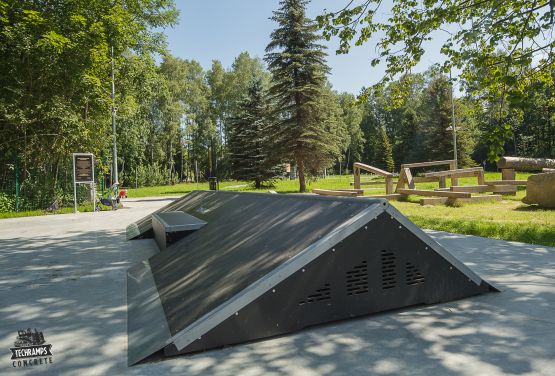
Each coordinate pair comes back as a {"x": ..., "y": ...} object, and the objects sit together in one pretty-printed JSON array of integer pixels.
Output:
[
  {"x": 509, "y": 219},
  {"x": 33, "y": 213}
]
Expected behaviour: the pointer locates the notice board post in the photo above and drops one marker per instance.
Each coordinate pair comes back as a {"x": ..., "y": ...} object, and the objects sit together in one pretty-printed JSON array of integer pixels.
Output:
[{"x": 83, "y": 173}]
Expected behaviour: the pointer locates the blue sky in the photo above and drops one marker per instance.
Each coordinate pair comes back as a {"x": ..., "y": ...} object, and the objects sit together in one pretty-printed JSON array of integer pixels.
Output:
[{"x": 221, "y": 29}]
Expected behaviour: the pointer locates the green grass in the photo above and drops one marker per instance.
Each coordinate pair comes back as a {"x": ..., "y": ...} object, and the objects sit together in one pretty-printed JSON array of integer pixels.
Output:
[
  {"x": 508, "y": 219},
  {"x": 33, "y": 213},
  {"x": 182, "y": 188}
]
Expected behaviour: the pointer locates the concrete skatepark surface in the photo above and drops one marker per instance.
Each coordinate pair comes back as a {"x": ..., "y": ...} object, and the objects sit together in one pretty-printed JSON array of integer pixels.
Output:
[{"x": 65, "y": 275}]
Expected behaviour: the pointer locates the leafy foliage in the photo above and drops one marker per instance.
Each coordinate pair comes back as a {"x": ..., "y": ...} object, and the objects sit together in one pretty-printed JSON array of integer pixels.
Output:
[
  {"x": 421, "y": 128},
  {"x": 55, "y": 77},
  {"x": 503, "y": 45}
]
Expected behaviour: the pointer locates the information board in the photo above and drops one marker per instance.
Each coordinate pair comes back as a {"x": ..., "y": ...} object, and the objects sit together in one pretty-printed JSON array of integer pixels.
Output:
[
  {"x": 84, "y": 165},
  {"x": 83, "y": 173}
]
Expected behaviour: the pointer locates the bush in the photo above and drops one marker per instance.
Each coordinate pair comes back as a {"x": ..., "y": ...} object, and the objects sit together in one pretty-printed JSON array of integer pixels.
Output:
[
  {"x": 148, "y": 176},
  {"x": 7, "y": 203}
]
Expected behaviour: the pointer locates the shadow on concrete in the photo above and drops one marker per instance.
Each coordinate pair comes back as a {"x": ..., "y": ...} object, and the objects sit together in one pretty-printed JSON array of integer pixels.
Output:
[
  {"x": 73, "y": 288},
  {"x": 462, "y": 338}
]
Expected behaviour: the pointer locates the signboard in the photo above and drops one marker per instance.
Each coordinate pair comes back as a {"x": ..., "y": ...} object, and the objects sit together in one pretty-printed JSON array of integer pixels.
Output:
[
  {"x": 83, "y": 173},
  {"x": 84, "y": 165}
]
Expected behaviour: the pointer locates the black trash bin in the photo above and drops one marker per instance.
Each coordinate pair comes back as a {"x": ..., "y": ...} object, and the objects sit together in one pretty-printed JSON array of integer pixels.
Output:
[{"x": 213, "y": 183}]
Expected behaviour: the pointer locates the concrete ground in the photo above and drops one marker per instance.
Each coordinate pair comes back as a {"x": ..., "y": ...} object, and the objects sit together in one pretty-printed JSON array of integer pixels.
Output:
[{"x": 65, "y": 276}]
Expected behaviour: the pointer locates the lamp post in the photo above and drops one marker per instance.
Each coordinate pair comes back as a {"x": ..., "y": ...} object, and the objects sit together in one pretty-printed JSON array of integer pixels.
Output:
[
  {"x": 115, "y": 150},
  {"x": 453, "y": 120}
]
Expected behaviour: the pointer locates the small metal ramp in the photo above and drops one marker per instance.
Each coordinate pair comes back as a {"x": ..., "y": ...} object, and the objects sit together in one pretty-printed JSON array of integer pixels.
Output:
[{"x": 265, "y": 265}]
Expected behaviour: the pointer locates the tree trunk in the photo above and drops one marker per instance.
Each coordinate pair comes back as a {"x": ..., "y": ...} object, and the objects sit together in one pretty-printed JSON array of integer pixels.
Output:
[
  {"x": 55, "y": 180},
  {"x": 300, "y": 171},
  {"x": 525, "y": 164},
  {"x": 347, "y": 162}
]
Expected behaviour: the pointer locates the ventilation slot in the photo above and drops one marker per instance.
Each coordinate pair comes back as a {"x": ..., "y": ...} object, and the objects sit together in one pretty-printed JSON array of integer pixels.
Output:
[
  {"x": 357, "y": 279},
  {"x": 323, "y": 293},
  {"x": 413, "y": 275},
  {"x": 389, "y": 275}
]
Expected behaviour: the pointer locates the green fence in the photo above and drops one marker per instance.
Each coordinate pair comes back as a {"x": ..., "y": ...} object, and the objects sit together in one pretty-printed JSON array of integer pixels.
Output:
[{"x": 39, "y": 187}]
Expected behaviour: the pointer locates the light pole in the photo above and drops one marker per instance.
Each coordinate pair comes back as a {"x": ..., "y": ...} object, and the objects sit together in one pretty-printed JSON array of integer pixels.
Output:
[
  {"x": 453, "y": 120},
  {"x": 115, "y": 150}
]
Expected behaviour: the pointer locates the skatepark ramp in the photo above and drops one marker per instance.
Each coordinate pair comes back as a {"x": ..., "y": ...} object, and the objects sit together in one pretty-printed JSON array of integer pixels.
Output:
[{"x": 236, "y": 267}]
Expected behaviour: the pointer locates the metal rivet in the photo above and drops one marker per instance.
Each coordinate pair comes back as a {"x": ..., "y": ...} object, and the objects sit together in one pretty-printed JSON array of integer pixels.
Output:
[
  {"x": 333, "y": 249},
  {"x": 400, "y": 226},
  {"x": 426, "y": 248},
  {"x": 450, "y": 268},
  {"x": 303, "y": 270},
  {"x": 236, "y": 313},
  {"x": 366, "y": 227},
  {"x": 273, "y": 290}
]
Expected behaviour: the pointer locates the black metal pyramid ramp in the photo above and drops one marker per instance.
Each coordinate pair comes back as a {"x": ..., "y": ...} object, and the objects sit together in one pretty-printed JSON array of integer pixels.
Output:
[{"x": 267, "y": 264}]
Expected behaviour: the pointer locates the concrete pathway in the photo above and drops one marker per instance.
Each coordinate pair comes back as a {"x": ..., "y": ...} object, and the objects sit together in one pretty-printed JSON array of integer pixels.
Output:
[{"x": 65, "y": 276}]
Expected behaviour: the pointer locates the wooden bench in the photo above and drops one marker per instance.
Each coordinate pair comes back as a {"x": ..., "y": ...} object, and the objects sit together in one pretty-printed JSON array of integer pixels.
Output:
[
  {"x": 507, "y": 182},
  {"x": 478, "y": 172},
  {"x": 498, "y": 188},
  {"x": 441, "y": 180},
  {"x": 338, "y": 192},
  {"x": 425, "y": 192},
  {"x": 451, "y": 201}
]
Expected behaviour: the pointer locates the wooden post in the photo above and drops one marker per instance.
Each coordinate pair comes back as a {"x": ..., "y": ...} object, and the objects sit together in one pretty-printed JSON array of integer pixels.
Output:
[
  {"x": 508, "y": 174},
  {"x": 408, "y": 176},
  {"x": 356, "y": 176},
  {"x": 402, "y": 180},
  {"x": 480, "y": 177},
  {"x": 443, "y": 182},
  {"x": 453, "y": 166},
  {"x": 388, "y": 185}
]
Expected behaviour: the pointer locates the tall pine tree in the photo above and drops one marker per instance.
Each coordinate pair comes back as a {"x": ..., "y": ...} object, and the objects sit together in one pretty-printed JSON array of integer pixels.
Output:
[
  {"x": 436, "y": 106},
  {"x": 298, "y": 67},
  {"x": 385, "y": 152},
  {"x": 250, "y": 139}
]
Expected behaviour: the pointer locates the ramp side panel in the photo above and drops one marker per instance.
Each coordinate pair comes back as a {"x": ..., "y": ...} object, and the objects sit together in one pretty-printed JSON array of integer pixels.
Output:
[
  {"x": 147, "y": 328},
  {"x": 379, "y": 267},
  {"x": 247, "y": 236},
  {"x": 419, "y": 233}
]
